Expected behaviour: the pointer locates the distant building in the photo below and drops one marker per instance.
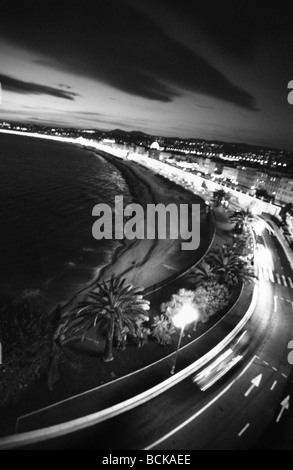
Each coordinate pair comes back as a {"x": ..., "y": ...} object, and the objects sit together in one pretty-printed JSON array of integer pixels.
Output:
[
  {"x": 230, "y": 173},
  {"x": 285, "y": 191},
  {"x": 273, "y": 185},
  {"x": 249, "y": 178},
  {"x": 246, "y": 177},
  {"x": 206, "y": 166},
  {"x": 166, "y": 156},
  {"x": 155, "y": 146},
  {"x": 155, "y": 150},
  {"x": 140, "y": 150},
  {"x": 108, "y": 142},
  {"x": 261, "y": 179}
]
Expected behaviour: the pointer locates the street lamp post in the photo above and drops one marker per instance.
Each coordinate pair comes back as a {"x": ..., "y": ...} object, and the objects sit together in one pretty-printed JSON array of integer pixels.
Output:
[
  {"x": 172, "y": 371},
  {"x": 187, "y": 314}
]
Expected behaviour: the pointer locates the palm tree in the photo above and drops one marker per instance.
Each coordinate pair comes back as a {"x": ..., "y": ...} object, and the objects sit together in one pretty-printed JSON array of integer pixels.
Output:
[
  {"x": 243, "y": 218},
  {"x": 114, "y": 309},
  {"x": 202, "y": 273},
  {"x": 243, "y": 245},
  {"x": 229, "y": 268},
  {"x": 220, "y": 196}
]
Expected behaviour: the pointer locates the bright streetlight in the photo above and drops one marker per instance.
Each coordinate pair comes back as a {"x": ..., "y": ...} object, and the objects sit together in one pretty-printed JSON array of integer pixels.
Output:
[{"x": 187, "y": 314}]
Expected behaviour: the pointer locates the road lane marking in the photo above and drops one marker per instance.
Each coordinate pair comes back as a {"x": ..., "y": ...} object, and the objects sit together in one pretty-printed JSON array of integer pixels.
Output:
[
  {"x": 285, "y": 376},
  {"x": 202, "y": 410},
  {"x": 275, "y": 369},
  {"x": 274, "y": 384},
  {"x": 275, "y": 304},
  {"x": 266, "y": 363},
  {"x": 284, "y": 280},
  {"x": 290, "y": 282},
  {"x": 243, "y": 430},
  {"x": 278, "y": 278}
]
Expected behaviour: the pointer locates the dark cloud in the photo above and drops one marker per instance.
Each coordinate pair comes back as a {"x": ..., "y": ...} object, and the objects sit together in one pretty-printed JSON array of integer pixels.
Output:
[
  {"x": 118, "y": 45},
  {"x": 19, "y": 86},
  {"x": 238, "y": 27}
]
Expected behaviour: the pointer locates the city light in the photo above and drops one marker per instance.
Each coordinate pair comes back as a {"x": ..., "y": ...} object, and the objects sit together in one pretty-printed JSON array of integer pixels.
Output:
[{"x": 188, "y": 314}]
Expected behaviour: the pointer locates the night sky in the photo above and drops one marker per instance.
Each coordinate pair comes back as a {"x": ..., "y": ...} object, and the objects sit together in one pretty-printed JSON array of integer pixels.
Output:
[{"x": 207, "y": 69}]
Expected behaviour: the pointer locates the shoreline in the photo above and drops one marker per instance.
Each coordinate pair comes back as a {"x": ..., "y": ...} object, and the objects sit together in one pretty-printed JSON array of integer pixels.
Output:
[
  {"x": 159, "y": 189},
  {"x": 142, "y": 262}
]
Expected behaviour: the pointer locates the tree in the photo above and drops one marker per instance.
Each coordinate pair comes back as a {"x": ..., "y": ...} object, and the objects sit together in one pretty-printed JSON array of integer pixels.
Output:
[
  {"x": 243, "y": 217},
  {"x": 207, "y": 300},
  {"x": 243, "y": 245},
  {"x": 262, "y": 192},
  {"x": 229, "y": 267},
  {"x": 113, "y": 309},
  {"x": 210, "y": 298},
  {"x": 26, "y": 338},
  {"x": 182, "y": 298},
  {"x": 285, "y": 210},
  {"x": 221, "y": 196},
  {"x": 162, "y": 329},
  {"x": 202, "y": 273}
]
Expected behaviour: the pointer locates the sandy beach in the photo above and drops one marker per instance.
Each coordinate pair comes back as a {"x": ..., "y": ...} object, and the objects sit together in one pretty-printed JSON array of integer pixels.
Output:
[{"x": 151, "y": 262}]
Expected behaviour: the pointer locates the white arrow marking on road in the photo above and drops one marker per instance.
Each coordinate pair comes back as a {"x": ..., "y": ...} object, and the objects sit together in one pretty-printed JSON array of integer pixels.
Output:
[
  {"x": 285, "y": 406},
  {"x": 254, "y": 383},
  {"x": 243, "y": 430},
  {"x": 275, "y": 303}
]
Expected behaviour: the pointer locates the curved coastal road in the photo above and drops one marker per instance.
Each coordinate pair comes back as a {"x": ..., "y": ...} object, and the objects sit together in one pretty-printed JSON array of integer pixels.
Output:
[
  {"x": 222, "y": 417},
  {"x": 235, "y": 413},
  {"x": 231, "y": 419}
]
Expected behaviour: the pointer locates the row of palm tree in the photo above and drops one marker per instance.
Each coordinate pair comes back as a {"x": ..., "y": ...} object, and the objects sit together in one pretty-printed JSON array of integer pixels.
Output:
[
  {"x": 117, "y": 311},
  {"x": 224, "y": 265}
]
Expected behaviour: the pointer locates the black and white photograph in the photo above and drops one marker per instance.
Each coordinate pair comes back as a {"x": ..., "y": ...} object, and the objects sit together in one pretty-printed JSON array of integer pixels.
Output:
[{"x": 146, "y": 227}]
